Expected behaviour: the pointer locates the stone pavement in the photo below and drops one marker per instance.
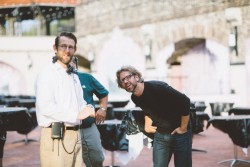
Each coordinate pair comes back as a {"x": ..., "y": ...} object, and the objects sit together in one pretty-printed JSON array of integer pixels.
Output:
[{"x": 217, "y": 144}]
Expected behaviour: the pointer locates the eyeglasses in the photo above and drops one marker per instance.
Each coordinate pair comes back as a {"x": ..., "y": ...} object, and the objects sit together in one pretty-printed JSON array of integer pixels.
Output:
[
  {"x": 64, "y": 47},
  {"x": 128, "y": 77}
]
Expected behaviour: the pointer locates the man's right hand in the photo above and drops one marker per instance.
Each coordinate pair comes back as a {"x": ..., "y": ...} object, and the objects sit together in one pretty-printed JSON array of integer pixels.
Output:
[
  {"x": 150, "y": 129},
  {"x": 87, "y": 111}
]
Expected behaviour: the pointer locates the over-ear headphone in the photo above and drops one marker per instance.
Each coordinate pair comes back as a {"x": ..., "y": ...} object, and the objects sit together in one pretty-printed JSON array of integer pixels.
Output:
[
  {"x": 70, "y": 69},
  {"x": 73, "y": 68},
  {"x": 54, "y": 59}
]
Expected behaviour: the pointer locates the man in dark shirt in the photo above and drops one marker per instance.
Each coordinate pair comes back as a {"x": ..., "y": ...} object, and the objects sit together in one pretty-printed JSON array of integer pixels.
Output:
[
  {"x": 91, "y": 142},
  {"x": 166, "y": 115}
]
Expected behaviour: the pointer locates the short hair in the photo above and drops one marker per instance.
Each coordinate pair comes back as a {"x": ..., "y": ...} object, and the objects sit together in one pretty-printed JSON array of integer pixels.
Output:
[
  {"x": 65, "y": 34},
  {"x": 132, "y": 71}
]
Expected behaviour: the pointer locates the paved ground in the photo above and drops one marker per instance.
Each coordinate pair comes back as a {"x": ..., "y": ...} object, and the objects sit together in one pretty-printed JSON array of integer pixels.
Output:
[{"x": 217, "y": 144}]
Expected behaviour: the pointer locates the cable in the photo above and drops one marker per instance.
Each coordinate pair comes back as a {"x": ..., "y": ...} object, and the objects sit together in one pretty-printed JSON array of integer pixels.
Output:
[{"x": 73, "y": 148}]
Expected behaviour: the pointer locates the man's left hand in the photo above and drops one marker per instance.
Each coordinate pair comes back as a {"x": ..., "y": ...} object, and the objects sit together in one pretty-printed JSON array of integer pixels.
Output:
[
  {"x": 179, "y": 131},
  {"x": 100, "y": 116}
]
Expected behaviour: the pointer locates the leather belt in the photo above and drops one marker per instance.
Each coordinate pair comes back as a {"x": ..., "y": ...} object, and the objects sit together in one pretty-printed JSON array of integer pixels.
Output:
[{"x": 77, "y": 127}]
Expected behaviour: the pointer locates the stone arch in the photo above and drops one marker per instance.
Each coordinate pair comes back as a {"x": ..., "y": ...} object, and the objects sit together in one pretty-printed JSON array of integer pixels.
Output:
[
  {"x": 191, "y": 60},
  {"x": 12, "y": 81},
  {"x": 205, "y": 31},
  {"x": 119, "y": 50},
  {"x": 213, "y": 26},
  {"x": 214, "y": 30}
]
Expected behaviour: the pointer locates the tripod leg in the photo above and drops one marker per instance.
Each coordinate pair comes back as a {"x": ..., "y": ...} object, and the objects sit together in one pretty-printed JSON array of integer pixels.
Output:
[{"x": 194, "y": 149}]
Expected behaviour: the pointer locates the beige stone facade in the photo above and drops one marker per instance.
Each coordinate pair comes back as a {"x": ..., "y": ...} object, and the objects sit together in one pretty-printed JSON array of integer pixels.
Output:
[
  {"x": 156, "y": 36},
  {"x": 172, "y": 20},
  {"x": 163, "y": 24}
]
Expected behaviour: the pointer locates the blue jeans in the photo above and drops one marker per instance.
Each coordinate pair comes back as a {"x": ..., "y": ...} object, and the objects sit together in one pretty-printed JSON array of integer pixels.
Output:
[{"x": 178, "y": 144}]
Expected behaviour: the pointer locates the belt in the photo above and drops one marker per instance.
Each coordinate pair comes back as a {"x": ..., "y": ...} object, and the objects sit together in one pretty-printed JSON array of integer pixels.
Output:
[
  {"x": 72, "y": 127},
  {"x": 69, "y": 127}
]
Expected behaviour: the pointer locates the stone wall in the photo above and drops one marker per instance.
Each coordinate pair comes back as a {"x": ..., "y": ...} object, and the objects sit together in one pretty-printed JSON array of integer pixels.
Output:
[
  {"x": 171, "y": 21},
  {"x": 95, "y": 16},
  {"x": 162, "y": 23}
]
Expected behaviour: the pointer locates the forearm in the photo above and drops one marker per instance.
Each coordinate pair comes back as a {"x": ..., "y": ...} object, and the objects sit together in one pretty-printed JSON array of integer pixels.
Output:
[
  {"x": 103, "y": 102},
  {"x": 148, "y": 125},
  {"x": 148, "y": 121},
  {"x": 184, "y": 122},
  {"x": 101, "y": 113}
]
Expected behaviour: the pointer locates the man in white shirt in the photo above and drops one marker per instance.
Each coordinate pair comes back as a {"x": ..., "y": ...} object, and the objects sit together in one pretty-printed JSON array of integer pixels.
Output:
[{"x": 59, "y": 99}]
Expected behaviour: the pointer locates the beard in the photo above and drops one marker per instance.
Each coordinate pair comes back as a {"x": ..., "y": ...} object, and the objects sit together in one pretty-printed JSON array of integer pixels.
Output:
[
  {"x": 131, "y": 88},
  {"x": 66, "y": 60}
]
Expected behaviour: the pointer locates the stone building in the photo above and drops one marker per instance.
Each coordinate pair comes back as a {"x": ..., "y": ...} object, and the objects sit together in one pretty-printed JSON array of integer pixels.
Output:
[
  {"x": 198, "y": 47},
  {"x": 27, "y": 30}
]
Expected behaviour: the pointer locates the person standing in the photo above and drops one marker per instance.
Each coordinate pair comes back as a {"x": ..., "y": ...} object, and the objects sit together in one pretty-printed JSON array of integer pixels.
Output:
[
  {"x": 60, "y": 107},
  {"x": 92, "y": 152},
  {"x": 166, "y": 115}
]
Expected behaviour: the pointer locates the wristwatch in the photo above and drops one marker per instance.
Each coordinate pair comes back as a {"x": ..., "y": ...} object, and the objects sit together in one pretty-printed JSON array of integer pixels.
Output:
[{"x": 104, "y": 109}]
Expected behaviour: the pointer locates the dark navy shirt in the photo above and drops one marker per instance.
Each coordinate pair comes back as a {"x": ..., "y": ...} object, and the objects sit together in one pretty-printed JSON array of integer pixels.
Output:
[{"x": 163, "y": 104}]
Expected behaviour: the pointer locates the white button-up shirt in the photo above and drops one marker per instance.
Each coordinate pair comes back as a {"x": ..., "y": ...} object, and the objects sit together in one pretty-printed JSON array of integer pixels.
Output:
[{"x": 59, "y": 96}]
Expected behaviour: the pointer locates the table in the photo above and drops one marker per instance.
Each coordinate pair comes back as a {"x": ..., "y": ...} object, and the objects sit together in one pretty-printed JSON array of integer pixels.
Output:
[
  {"x": 28, "y": 103},
  {"x": 114, "y": 103},
  {"x": 219, "y": 107},
  {"x": 138, "y": 115},
  {"x": 14, "y": 119},
  {"x": 239, "y": 111},
  {"x": 113, "y": 138},
  {"x": 109, "y": 112},
  {"x": 16, "y": 101},
  {"x": 200, "y": 106},
  {"x": 136, "y": 111},
  {"x": 119, "y": 112},
  {"x": 6, "y": 115},
  {"x": 238, "y": 129},
  {"x": 197, "y": 118},
  {"x": 117, "y": 104},
  {"x": 10, "y": 102}
]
